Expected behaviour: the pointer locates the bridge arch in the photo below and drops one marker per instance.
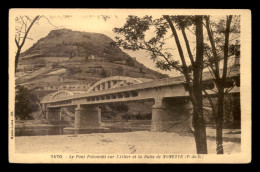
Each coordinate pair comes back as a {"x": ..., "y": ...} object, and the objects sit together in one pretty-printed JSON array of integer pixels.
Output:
[
  {"x": 113, "y": 82},
  {"x": 61, "y": 94}
]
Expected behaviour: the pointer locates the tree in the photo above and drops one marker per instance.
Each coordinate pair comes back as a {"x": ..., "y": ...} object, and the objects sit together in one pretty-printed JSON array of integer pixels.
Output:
[
  {"x": 24, "y": 25},
  {"x": 72, "y": 55},
  {"x": 130, "y": 62},
  {"x": 220, "y": 48},
  {"x": 104, "y": 73},
  {"x": 141, "y": 70},
  {"x": 22, "y": 29},
  {"x": 120, "y": 70},
  {"x": 134, "y": 33},
  {"x": 25, "y": 103}
]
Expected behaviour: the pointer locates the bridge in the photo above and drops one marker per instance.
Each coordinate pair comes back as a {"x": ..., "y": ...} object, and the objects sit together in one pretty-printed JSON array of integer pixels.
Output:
[{"x": 170, "y": 98}]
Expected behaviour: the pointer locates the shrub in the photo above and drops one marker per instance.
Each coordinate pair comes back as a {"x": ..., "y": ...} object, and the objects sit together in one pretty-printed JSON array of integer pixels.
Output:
[
  {"x": 39, "y": 66},
  {"x": 120, "y": 70},
  {"x": 130, "y": 62},
  {"x": 141, "y": 70},
  {"x": 143, "y": 116},
  {"x": 126, "y": 116},
  {"x": 55, "y": 65},
  {"x": 119, "y": 107},
  {"x": 74, "y": 70},
  {"x": 108, "y": 115},
  {"x": 104, "y": 73},
  {"x": 25, "y": 103}
]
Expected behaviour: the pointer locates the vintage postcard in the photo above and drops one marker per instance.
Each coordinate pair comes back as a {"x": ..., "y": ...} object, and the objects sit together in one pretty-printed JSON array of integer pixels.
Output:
[{"x": 129, "y": 86}]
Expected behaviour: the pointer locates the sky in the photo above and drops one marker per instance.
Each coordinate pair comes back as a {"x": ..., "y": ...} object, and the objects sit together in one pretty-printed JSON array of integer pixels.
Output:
[
  {"x": 88, "y": 23},
  {"x": 87, "y": 20}
]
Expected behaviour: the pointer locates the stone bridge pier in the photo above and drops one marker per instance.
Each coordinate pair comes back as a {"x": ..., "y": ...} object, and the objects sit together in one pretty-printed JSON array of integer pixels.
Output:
[
  {"x": 171, "y": 114},
  {"x": 87, "y": 117},
  {"x": 53, "y": 114}
]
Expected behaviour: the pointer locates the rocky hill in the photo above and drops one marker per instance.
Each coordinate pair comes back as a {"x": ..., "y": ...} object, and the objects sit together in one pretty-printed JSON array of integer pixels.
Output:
[
  {"x": 77, "y": 60},
  {"x": 68, "y": 43}
]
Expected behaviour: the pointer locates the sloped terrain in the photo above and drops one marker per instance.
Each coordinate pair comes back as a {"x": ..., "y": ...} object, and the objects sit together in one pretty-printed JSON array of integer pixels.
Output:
[{"x": 76, "y": 60}]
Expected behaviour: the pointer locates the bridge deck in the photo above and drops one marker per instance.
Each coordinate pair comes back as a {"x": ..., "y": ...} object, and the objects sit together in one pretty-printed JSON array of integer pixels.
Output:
[
  {"x": 161, "y": 83},
  {"x": 145, "y": 85}
]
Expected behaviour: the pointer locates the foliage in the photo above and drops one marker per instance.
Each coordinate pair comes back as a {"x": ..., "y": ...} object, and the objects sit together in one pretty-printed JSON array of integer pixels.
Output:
[
  {"x": 129, "y": 116},
  {"x": 135, "y": 37},
  {"x": 74, "y": 70},
  {"x": 130, "y": 62},
  {"x": 120, "y": 70},
  {"x": 104, "y": 73},
  {"x": 55, "y": 65},
  {"x": 222, "y": 41},
  {"x": 143, "y": 116},
  {"x": 25, "y": 103},
  {"x": 71, "y": 55},
  {"x": 141, "y": 70},
  {"x": 119, "y": 107},
  {"x": 231, "y": 112},
  {"x": 215, "y": 41},
  {"x": 39, "y": 66},
  {"x": 134, "y": 32}
]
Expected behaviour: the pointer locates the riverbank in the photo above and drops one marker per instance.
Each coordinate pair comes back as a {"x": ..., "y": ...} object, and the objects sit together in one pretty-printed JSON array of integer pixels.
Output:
[
  {"x": 133, "y": 136},
  {"x": 138, "y": 142},
  {"x": 114, "y": 124},
  {"x": 38, "y": 123}
]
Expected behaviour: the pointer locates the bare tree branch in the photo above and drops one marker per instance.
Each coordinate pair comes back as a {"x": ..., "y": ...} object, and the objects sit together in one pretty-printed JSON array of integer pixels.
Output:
[
  {"x": 211, "y": 72},
  {"x": 28, "y": 18},
  {"x": 214, "y": 51},
  {"x": 229, "y": 89},
  {"x": 48, "y": 21},
  {"x": 185, "y": 69},
  {"x": 226, "y": 46},
  {"x": 27, "y": 38},
  {"x": 16, "y": 42},
  {"x": 211, "y": 102},
  {"x": 18, "y": 38},
  {"x": 153, "y": 50},
  {"x": 187, "y": 45},
  {"x": 22, "y": 20},
  {"x": 29, "y": 28}
]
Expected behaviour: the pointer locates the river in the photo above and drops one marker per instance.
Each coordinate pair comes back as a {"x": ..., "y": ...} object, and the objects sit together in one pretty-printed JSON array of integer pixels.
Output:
[{"x": 110, "y": 127}]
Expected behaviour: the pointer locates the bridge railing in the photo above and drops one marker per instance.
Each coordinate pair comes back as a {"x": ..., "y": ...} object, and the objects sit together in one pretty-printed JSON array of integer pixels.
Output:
[{"x": 145, "y": 85}]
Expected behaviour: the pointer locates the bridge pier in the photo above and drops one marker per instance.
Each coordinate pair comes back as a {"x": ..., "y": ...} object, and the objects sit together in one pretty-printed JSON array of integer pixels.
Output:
[
  {"x": 53, "y": 114},
  {"x": 87, "y": 117},
  {"x": 171, "y": 115}
]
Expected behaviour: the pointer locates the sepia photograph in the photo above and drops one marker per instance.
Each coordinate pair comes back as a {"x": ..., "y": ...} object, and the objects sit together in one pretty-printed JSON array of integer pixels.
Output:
[{"x": 129, "y": 86}]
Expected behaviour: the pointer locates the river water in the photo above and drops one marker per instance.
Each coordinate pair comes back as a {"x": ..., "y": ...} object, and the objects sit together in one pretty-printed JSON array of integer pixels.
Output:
[
  {"x": 123, "y": 127},
  {"x": 60, "y": 131}
]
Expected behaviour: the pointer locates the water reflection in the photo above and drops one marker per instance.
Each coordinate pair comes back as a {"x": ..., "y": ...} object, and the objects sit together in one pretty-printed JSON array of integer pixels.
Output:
[{"x": 62, "y": 131}]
